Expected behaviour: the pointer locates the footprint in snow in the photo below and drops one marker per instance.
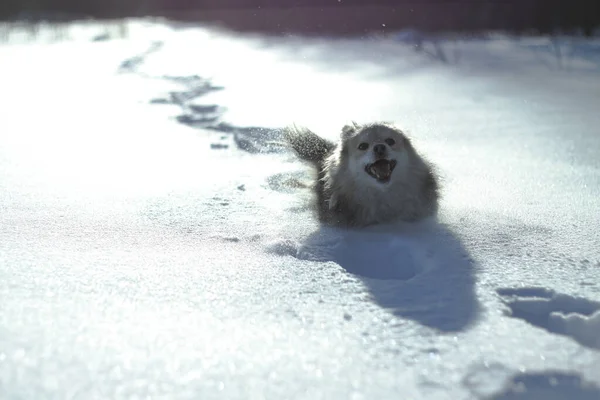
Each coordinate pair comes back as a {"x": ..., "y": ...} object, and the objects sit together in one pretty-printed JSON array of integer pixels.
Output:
[
  {"x": 498, "y": 382},
  {"x": 576, "y": 317}
]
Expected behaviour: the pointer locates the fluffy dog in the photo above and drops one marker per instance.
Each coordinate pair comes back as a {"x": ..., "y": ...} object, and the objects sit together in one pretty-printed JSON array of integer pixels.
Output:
[{"x": 372, "y": 175}]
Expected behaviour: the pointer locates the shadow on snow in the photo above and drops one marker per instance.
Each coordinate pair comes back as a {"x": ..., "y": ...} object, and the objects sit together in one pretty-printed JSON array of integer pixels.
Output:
[{"x": 419, "y": 271}]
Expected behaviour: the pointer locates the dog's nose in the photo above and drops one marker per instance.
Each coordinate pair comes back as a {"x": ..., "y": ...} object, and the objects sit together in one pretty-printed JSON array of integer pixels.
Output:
[{"x": 379, "y": 149}]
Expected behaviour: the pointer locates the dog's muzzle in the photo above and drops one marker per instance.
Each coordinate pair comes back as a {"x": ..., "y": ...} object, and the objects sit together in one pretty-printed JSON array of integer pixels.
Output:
[{"x": 381, "y": 170}]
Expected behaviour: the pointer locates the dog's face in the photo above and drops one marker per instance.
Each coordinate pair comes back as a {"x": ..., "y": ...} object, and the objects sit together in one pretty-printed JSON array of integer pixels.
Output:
[{"x": 376, "y": 154}]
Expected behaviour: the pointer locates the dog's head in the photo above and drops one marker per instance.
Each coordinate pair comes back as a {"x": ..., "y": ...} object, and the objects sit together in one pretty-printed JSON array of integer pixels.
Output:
[{"x": 377, "y": 154}]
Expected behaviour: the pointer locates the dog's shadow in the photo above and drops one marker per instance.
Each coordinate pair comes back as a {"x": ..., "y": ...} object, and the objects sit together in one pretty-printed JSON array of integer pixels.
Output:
[{"x": 420, "y": 271}]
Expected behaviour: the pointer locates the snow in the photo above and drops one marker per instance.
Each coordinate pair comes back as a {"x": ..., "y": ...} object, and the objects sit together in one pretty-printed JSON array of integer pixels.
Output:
[
  {"x": 154, "y": 244},
  {"x": 558, "y": 313},
  {"x": 583, "y": 328}
]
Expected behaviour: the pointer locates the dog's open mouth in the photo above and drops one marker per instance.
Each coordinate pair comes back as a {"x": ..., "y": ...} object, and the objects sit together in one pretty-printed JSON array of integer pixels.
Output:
[{"x": 381, "y": 170}]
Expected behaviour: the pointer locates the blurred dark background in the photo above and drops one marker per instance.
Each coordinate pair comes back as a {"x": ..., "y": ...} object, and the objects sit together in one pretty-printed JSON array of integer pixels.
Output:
[{"x": 330, "y": 16}]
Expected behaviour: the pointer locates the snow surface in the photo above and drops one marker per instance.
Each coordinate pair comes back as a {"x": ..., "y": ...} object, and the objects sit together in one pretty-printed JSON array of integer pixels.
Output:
[{"x": 153, "y": 244}]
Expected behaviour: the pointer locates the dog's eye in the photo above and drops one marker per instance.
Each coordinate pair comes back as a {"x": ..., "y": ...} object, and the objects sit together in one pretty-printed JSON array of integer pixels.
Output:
[
  {"x": 363, "y": 146},
  {"x": 390, "y": 141}
]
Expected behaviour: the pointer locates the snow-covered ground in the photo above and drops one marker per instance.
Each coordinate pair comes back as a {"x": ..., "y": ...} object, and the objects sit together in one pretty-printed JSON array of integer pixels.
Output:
[{"x": 153, "y": 244}]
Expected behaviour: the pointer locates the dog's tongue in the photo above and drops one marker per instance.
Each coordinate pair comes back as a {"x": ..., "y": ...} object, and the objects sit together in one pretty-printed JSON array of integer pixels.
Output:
[{"x": 381, "y": 169}]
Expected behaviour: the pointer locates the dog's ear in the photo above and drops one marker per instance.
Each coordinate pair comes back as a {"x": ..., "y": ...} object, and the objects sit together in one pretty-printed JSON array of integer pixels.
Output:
[{"x": 349, "y": 130}]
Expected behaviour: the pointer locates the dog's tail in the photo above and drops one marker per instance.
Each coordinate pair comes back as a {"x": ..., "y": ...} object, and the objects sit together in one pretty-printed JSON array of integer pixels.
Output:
[{"x": 308, "y": 145}]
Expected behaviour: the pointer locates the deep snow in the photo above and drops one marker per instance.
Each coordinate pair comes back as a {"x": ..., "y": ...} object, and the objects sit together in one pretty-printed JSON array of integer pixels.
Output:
[{"x": 154, "y": 244}]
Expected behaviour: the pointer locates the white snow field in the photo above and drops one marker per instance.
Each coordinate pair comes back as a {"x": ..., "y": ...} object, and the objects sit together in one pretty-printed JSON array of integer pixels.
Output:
[{"x": 168, "y": 251}]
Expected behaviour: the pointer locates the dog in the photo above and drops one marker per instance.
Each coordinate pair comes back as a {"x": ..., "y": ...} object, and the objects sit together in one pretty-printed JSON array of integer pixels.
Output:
[{"x": 372, "y": 175}]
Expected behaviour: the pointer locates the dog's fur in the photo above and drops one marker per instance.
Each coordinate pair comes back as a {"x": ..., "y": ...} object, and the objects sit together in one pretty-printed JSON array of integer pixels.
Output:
[{"x": 357, "y": 187}]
